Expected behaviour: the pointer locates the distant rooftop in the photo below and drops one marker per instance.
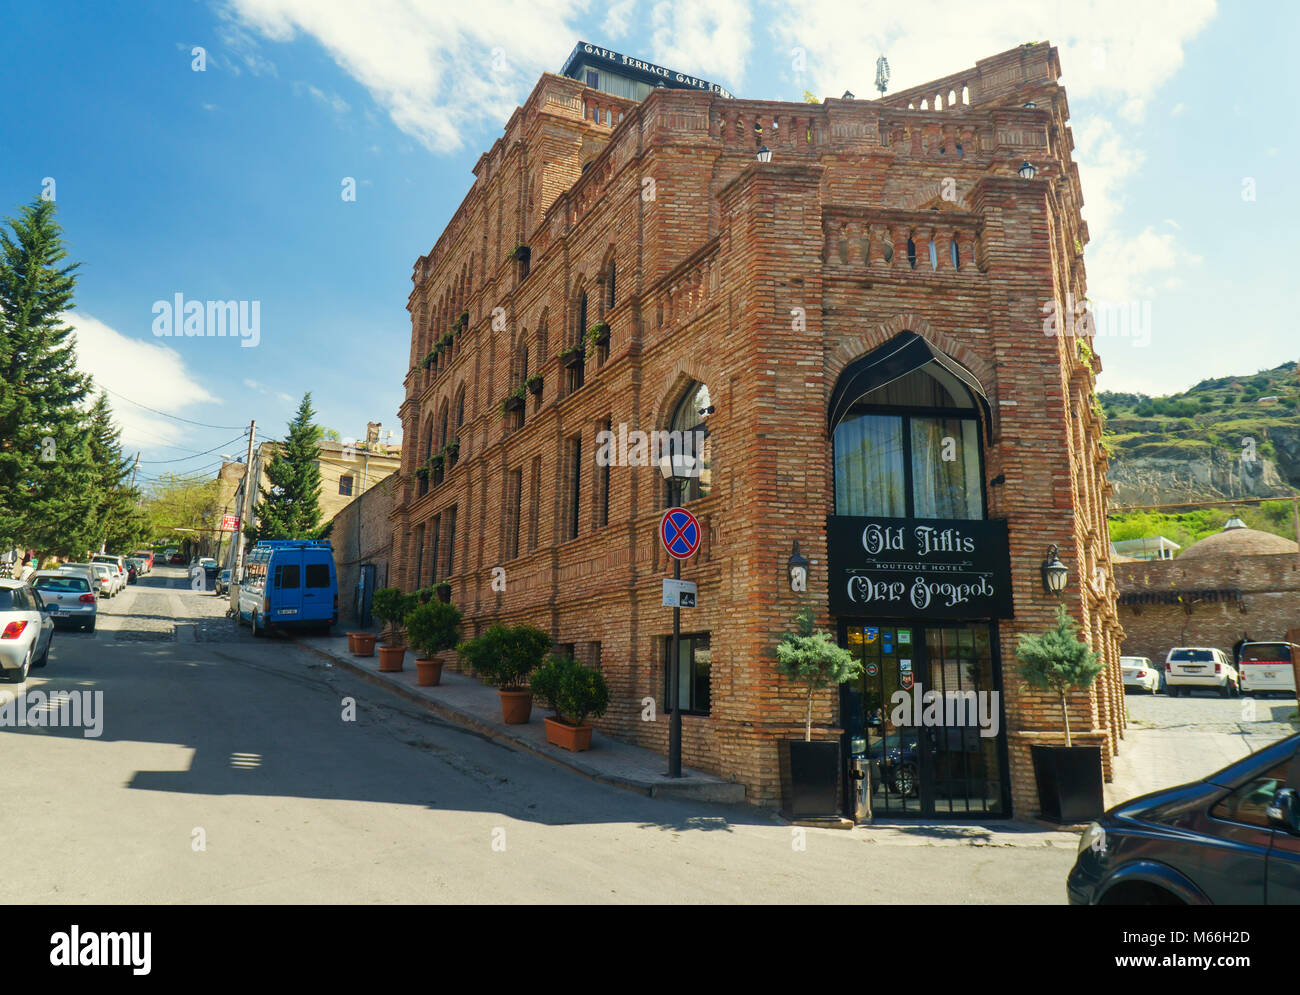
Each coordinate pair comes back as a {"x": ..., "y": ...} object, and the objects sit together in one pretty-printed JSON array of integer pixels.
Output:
[
  {"x": 624, "y": 76},
  {"x": 1148, "y": 548}
]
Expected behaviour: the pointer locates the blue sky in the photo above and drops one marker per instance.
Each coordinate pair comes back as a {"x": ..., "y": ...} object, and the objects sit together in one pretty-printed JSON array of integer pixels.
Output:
[{"x": 225, "y": 184}]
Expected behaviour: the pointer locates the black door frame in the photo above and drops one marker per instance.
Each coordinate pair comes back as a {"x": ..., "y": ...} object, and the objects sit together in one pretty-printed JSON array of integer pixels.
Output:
[{"x": 926, "y": 772}]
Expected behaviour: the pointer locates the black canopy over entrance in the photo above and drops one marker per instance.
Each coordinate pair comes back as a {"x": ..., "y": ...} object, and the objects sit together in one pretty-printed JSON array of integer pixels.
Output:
[{"x": 896, "y": 358}]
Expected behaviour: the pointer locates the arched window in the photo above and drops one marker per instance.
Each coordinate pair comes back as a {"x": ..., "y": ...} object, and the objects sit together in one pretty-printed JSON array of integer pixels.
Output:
[
  {"x": 689, "y": 445},
  {"x": 910, "y": 448},
  {"x": 611, "y": 284}
]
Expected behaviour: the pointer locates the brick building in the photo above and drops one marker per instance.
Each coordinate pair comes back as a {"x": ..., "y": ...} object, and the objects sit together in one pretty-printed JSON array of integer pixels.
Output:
[
  {"x": 858, "y": 326},
  {"x": 1238, "y": 582},
  {"x": 361, "y": 536}
]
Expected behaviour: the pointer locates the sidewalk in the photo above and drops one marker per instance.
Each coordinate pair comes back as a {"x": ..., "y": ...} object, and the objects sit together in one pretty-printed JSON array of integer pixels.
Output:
[{"x": 467, "y": 702}]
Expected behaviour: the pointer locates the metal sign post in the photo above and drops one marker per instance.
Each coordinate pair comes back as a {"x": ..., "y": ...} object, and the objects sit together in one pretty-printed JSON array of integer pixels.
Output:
[{"x": 679, "y": 531}]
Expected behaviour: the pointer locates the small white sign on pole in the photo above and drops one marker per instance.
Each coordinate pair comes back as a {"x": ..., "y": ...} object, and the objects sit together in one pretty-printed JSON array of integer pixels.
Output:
[{"x": 679, "y": 593}]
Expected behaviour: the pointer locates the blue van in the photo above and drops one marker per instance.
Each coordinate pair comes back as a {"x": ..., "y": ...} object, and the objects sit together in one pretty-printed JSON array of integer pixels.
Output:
[{"x": 289, "y": 583}]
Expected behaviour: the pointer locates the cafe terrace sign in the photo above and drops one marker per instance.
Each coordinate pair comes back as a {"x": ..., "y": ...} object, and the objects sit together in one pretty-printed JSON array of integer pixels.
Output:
[
  {"x": 918, "y": 567},
  {"x": 617, "y": 61}
]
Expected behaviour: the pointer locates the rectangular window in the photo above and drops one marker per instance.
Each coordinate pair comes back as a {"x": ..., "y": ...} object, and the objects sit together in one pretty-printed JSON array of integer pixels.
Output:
[
  {"x": 513, "y": 500},
  {"x": 419, "y": 553},
  {"x": 575, "y": 486},
  {"x": 693, "y": 666},
  {"x": 946, "y": 468},
  {"x": 593, "y": 79},
  {"x": 869, "y": 466},
  {"x": 436, "y": 535},
  {"x": 451, "y": 542},
  {"x": 534, "y": 502},
  {"x": 345, "y": 486},
  {"x": 602, "y": 484},
  {"x": 318, "y": 575},
  {"x": 286, "y": 577}
]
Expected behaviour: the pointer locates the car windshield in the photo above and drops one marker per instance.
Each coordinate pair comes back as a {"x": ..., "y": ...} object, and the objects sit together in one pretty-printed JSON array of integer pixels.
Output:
[
  {"x": 67, "y": 585},
  {"x": 1265, "y": 652},
  {"x": 1132, "y": 661},
  {"x": 1192, "y": 656}
]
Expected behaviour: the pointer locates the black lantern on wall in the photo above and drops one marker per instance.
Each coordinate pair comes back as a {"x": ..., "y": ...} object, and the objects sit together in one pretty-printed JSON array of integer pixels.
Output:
[
  {"x": 798, "y": 569},
  {"x": 1027, "y": 170},
  {"x": 1054, "y": 573}
]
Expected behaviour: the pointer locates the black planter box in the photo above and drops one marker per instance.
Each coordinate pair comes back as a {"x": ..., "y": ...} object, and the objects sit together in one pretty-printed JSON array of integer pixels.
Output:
[
  {"x": 571, "y": 359},
  {"x": 1069, "y": 782},
  {"x": 810, "y": 779}
]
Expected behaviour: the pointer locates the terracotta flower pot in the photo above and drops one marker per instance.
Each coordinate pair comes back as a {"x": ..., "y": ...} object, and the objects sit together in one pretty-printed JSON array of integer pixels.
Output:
[
  {"x": 516, "y": 707},
  {"x": 390, "y": 659},
  {"x": 362, "y": 643},
  {"x": 428, "y": 673},
  {"x": 574, "y": 738}
]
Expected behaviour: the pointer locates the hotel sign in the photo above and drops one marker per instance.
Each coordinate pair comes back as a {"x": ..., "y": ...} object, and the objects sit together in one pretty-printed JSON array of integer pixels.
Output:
[
  {"x": 670, "y": 76},
  {"x": 918, "y": 567}
]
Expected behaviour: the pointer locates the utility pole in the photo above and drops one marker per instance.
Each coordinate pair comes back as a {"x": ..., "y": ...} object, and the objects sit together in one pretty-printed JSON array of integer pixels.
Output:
[
  {"x": 134, "y": 470},
  {"x": 250, "y": 488}
]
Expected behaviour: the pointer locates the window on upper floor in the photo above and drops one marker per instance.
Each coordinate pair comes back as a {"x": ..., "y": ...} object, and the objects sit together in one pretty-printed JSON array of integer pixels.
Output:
[
  {"x": 345, "y": 486},
  {"x": 689, "y": 445}
]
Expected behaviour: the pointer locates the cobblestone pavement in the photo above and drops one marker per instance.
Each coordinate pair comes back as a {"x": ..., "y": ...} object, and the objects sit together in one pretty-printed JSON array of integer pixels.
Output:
[{"x": 1171, "y": 741}]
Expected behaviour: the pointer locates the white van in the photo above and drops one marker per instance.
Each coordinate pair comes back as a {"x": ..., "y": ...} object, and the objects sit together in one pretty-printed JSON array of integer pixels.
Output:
[
  {"x": 1188, "y": 667},
  {"x": 1266, "y": 668}
]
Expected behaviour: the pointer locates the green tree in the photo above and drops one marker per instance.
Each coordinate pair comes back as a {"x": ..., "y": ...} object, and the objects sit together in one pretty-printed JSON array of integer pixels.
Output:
[
  {"x": 505, "y": 654},
  {"x": 432, "y": 627},
  {"x": 812, "y": 657},
  {"x": 116, "y": 520},
  {"x": 1059, "y": 661},
  {"x": 290, "y": 507},
  {"x": 42, "y": 431}
]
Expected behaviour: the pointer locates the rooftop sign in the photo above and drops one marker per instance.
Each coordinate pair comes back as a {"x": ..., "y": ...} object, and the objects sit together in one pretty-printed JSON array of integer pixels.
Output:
[{"x": 638, "y": 69}]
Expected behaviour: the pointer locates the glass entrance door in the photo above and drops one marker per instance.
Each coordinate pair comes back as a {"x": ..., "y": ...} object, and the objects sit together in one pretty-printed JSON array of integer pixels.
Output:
[{"x": 941, "y": 757}]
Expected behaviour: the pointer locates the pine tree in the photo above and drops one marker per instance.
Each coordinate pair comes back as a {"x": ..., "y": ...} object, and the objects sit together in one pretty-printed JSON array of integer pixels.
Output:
[
  {"x": 290, "y": 507},
  {"x": 117, "y": 522},
  {"x": 1058, "y": 661},
  {"x": 42, "y": 431}
]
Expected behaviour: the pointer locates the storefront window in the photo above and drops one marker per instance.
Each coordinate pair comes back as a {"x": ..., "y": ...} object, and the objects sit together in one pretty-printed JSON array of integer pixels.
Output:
[
  {"x": 693, "y": 662},
  {"x": 910, "y": 450}
]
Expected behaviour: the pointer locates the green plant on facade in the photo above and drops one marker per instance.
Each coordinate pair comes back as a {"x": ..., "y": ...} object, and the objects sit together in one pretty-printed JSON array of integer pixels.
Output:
[
  {"x": 534, "y": 383},
  {"x": 812, "y": 657},
  {"x": 594, "y": 334},
  {"x": 515, "y": 395},
  {"x": 1058, "y": 661}
]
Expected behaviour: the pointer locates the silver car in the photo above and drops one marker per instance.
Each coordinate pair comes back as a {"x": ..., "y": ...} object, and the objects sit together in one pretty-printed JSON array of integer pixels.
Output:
[
  {"x": 68, "y": 596},
  {"x": 26, "y": 630},
  {"x": 105, "y": 579}
]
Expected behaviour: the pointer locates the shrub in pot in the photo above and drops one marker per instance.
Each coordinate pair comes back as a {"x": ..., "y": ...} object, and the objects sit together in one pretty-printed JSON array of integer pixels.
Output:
[
  {"x": 391, "y": 607},
  {"x": 1069, "y": 777},
  {"x": 810, "y": 770},
  {"x": 572, "y": 692},
  {"x": 506, "y": 655},
  {"x": 432, "y": 627}
]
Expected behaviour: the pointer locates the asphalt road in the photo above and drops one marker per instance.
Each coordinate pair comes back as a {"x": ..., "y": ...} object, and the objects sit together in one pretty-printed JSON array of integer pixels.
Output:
[{"x": 226, "y": 772}]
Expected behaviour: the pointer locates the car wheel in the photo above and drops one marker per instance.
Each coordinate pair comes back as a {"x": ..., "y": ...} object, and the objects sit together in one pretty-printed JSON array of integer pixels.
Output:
[
  {"x": 1225, "y": 690},
  {"x": 257, "y": 631},
  {"x": 20, "y": 675},
  {"x": 90, "y": 627},
  {"x": 45, "y": 657}
]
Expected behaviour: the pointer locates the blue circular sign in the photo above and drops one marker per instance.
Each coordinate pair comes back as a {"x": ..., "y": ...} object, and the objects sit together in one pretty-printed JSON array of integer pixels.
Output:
[{"x": 679, "y": 531}]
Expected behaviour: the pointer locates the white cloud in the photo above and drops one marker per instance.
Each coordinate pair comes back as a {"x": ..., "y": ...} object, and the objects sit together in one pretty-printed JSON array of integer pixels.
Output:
[
  {"x": 712, "y": 39},
  {"x": 331, "y": 100},
  {"x": 618, "y": 19},
  {"x": 128, "y": 366}
]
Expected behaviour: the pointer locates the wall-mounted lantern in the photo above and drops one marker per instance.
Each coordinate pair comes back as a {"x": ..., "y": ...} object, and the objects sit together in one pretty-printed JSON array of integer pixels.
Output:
[
  {"x": 1027, "y": 170},
  {"x": 764, "y": 154},
  {"x": 1054, "y": 573},
  {"x": 798, "y": 568}
]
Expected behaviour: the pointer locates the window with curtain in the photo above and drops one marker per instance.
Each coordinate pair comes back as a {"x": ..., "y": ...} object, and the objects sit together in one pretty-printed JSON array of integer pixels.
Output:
[{"x": 910, "y": 449}]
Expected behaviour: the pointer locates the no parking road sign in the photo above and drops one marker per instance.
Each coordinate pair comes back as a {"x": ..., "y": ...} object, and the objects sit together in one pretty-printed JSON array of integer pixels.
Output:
[{"x": 679, "y": 531}]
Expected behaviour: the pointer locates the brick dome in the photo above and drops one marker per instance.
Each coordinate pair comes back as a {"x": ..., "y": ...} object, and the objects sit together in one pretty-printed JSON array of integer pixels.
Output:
[{"x": 1239, "y": 541}]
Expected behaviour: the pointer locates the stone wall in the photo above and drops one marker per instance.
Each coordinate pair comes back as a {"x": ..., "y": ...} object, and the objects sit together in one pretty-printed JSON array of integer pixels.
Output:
[{"x": 362, "y": 534}]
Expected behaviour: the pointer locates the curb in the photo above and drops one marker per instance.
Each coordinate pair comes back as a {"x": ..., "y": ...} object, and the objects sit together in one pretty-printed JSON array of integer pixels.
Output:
[{"x": 698, "y": 793}]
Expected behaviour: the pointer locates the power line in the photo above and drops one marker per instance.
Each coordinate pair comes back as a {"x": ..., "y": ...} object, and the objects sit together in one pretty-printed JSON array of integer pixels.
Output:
[
  {"x": 166, "y": 415},
  {"x": 182, "y": 459}
]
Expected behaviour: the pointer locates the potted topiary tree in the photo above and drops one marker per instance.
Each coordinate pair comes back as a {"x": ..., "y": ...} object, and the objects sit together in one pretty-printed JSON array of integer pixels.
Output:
[
  {"x": 391, "y": 607},
  {"x": 572, "y": 692},
  {"x": 506, "y": 655},
  {"x": 810, "y": 770},
  {"x": 432, "y": 628},
  {"x": 1069, "y": 777}
]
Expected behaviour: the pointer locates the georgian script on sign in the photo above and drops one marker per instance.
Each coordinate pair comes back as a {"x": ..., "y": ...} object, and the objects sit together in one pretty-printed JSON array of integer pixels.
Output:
[{"x": 898, "y": 566}]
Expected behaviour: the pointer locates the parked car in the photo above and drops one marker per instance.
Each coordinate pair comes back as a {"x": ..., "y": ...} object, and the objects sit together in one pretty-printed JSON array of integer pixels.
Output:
[
  {"x": 83, "y": 570},
  {"x": 117, "y": 563},
  {"x": 1189, "y": 667},
  {"x": 1266, "y": 669},
  {"x": 210, "y": 567},
  {"x": 105, "y": 579},
  {"x": 176, "y": 560},
  {"x": 1140, "y": 673},
  {"x": 132, "y": 574},
  {"x": 68, "y": 596},
  {"x": 145, "y": 556},
  {"x": 1230, "y": 839},
  {"x": 222, "y": 585},
  {"x": 289, "y": 583},
  {"x": 26, "y": 630}
]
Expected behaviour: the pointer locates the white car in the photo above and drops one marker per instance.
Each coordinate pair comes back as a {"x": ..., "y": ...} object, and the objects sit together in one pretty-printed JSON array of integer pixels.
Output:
[
  {"x": 26, "y": 630},
  {"x": 117, "y": 563},
  {"x": 1189, "y": 667},
  {"x": 1139, "y": 672},
  {"x": 105, "y": 579},
  {"x": 69, "y": 596},
  {"x": 1267, "y": 668}
]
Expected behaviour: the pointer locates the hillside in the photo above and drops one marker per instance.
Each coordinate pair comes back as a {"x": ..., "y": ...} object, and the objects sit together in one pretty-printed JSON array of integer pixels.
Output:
[{"x": 1232, "y": 437}]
